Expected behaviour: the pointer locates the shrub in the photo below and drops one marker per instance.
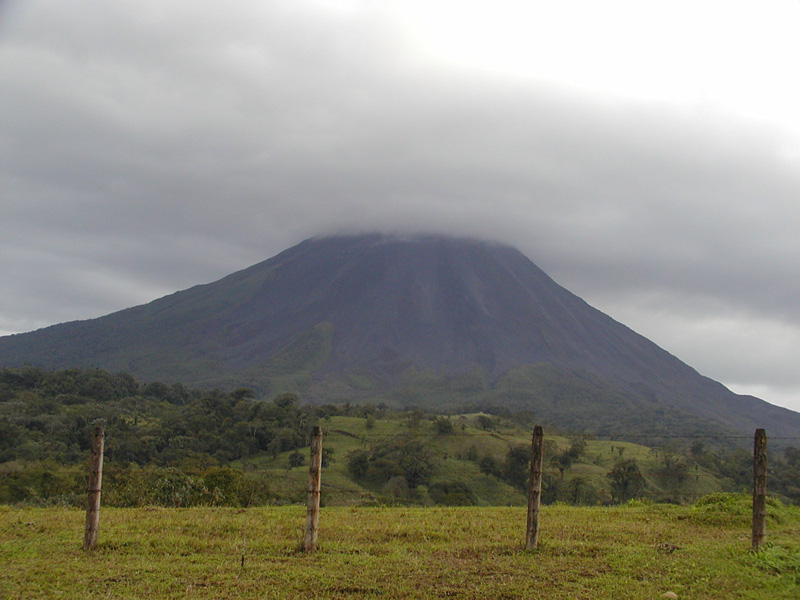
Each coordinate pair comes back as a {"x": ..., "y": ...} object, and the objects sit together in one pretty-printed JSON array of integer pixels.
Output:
[
  {"x": 451, "y": 493},
  {"x": 443, "y": 425},
  {"x": 296, "y": 459}
]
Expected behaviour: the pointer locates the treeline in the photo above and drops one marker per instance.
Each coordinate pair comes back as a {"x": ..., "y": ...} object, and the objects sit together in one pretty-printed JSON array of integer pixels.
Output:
[
  {"x": 165, "y": 444},
  {"x": 170, "y": 445},
  {"x": 48, "y": 416}
]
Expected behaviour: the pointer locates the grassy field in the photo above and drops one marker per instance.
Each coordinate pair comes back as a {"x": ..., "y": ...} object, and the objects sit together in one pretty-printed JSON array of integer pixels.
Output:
[{"x": 634, "y": 551}]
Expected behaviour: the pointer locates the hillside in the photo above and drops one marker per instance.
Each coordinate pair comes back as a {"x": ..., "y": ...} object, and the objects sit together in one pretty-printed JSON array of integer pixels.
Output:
[
  {"x": 426, "y": 321},
  {"x": 175, "y": 446},
  {"x": 475, "y": 466}
]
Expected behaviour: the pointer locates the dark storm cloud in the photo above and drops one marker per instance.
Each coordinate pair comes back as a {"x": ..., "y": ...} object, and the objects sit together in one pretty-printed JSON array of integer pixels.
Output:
[{"x": 148, "y": 147}]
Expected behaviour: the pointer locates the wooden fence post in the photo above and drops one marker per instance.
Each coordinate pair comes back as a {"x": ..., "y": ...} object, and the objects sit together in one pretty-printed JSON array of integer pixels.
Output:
[
  {"x": 534, "y": 489},
  {"x": 94, "y": 488},
  {"x": 314, "y": 480},
  {"x": 759, "y": 488}
]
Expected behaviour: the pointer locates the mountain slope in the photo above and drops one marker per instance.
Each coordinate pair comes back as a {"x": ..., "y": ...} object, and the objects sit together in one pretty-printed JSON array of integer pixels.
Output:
[{"x": 357, "y": 316}]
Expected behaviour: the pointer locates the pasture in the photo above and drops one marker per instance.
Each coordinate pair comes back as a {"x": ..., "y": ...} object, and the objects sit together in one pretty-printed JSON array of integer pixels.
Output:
[{"x": 634, "y": 551}]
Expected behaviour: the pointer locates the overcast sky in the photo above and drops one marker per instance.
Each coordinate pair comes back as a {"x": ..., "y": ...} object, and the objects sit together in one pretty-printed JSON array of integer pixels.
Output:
[{"x": 645, "y": 154}]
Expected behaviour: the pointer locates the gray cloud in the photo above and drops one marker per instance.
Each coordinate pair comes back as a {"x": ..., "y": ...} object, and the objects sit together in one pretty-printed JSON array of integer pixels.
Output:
[{"x": 149, "y": 147}]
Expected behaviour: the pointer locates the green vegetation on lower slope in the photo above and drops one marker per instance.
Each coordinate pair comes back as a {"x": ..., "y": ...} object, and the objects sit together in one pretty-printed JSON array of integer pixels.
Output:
[
  {"x": 172, "y": 446},
  {"x": 571, "y": 398},
  {"x": 634, "y": 552}
]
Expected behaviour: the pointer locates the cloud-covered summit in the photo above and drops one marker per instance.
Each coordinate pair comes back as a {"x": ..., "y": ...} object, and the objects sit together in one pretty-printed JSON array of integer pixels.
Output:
[{"x": 146, "y": 148}]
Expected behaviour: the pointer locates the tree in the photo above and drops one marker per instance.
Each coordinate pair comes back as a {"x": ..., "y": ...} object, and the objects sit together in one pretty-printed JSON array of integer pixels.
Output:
[
  {"x": 627, "y": 480},
  {"x": 577, "y": 489},
  {"x": 443, "y": 425},
  {"x": 562, "y": 461},
  {"x": 486, "y": 423},
  {"x": 577, "y": 447},
  {"x": 472, "y": 453},
  {"x": 697, "y": 448},
  {"x": 327, "y": 456},
  {"x": 286, "y": 400},
  {"x": 516, "y": 466},
  {"x": 358, "y": 464},
  {"x": 296, "y": 459},
  {"x": 673, "y": 470},
  {"x": 241, "y": 393},
  {"x": 489, "y": 466}
]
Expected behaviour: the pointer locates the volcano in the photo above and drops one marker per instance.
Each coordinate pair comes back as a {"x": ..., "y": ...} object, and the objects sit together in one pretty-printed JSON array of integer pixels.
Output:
[{"x": 427, "y": 321}]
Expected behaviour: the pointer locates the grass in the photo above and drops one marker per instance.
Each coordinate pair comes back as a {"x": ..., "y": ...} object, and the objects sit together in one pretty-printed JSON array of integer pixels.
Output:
[{"x": 637, "y": 551}]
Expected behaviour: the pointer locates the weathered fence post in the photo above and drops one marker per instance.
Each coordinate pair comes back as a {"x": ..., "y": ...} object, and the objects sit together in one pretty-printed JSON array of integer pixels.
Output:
[
  {"x": 759, "y": 488},
  {"x": 534, "y": 489},
  {"x": 94, "y": 488},
  {"x": 314, "y": 480}
]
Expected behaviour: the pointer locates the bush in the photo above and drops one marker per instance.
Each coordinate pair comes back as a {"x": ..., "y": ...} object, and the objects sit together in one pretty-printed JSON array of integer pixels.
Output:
[
  {"x": 296, "y": 459},
  {"x": 404, "y": 456},
  {"x": 397, "y": 490},
  {"x": 179, "y": 490},
  {"x": 451, "y": 493},
  {"x": 489, "y": 466},
  {"x": 443, "y": 425},
  {"x": 133, "y": 486},
  {"x": 39, "y": 484},
  {"x": 725, "y": 509},
  {"x": 223, "y": 485}
]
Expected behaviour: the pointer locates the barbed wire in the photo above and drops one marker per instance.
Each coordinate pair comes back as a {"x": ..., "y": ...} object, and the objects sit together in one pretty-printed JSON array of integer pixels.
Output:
[
  {"x": 622, "y": 438},
  {"x": 613, "y": 437}
]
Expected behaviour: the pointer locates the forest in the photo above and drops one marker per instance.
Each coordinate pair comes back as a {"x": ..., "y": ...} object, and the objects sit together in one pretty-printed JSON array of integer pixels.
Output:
[{"x": 171, "y": 445}]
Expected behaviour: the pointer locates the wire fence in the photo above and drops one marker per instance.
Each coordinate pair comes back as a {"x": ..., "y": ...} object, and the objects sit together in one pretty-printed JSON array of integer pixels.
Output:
[{"x": 534, "y": 487}]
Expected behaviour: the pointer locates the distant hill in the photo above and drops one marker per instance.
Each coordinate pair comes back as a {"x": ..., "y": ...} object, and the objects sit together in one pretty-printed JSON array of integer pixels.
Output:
[{"x": 429, "y": 321}]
